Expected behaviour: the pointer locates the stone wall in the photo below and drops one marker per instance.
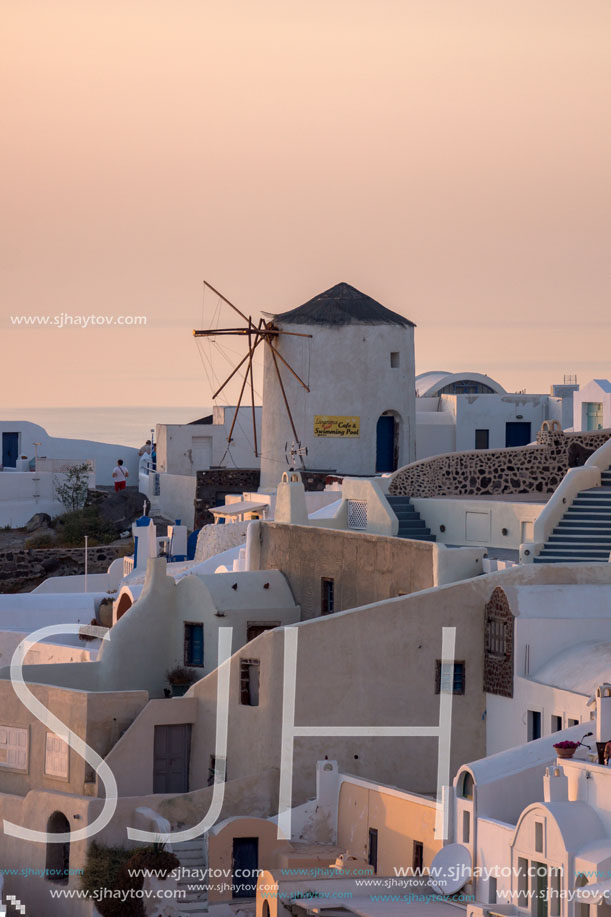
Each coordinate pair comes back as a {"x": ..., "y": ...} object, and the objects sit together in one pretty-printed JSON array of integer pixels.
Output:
[
  {"x": 215, "y": 484},
  {"x": 22, "y": 570},
  {"x": 526, "y": 469}
]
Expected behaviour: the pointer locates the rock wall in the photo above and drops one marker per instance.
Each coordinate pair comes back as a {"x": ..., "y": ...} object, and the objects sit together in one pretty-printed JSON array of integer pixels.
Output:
[
  {"x": 213, "y": 539},
  {"x": 20, "y": 570},
  {"x": 526, "y": 469}
]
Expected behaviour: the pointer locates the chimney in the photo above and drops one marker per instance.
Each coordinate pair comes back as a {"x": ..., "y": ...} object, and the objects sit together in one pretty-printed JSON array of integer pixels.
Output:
[
  {"x": 603, "y": 713},
  {"x": 555, "y": 785}
]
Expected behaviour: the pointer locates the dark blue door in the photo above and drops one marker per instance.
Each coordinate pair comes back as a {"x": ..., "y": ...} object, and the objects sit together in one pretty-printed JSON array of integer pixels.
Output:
[
  {"x": 517, "y": 433},
  {"x": 245, "y": 864},
  {"x": 10, "y": 449},
  {"x": 385, "y": 443}
]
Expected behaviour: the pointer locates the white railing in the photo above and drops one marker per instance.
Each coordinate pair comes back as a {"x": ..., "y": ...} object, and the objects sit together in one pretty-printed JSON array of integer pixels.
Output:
[
  {"x": 574, "y": 481},
  {"x": 128, "y": 565}
]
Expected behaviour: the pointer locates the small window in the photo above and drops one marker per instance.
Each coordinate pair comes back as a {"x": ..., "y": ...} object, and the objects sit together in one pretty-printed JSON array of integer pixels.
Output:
[
  {"x": 372, "y": 858},
  {"x": 253, "y": 630},
  {"x": 327, "y": 595},
  {"x": 417, "y": 857},
  {"x": 194, "y": 644},
  {"x": 539, "y": 837},
  {"x": 571, "y": 722},
  {"x": 217, "y": 766},
  {"x": 482, "y": 439},
  {"x": 496, "y": 636},
  {"x": 556, "y": 723},
  {"x": 522, "y": 882},
  {"x": 466, "y": 827},
  {"x": 534, "y": 725},
  {"x": 56, "y": 756},
  {"x": 14, "y": 748},
  {"x": 395, "y": 359},
  {"x": 249, "y": 682},
  {"x": 458, "y": 678}
]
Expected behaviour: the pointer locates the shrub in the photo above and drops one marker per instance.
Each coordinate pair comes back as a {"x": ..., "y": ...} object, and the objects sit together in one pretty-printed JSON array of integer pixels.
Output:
[
  {"x": 71, "y": 490},
  {"x": 72, "y": 528},
  {"x": 109, "y": 867},
  {"x": 44, "y": 540}
]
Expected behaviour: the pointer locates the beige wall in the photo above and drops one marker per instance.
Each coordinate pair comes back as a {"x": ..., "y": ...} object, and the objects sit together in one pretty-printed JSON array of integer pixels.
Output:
[
  {"x": 99, "y": 719},
  {"x": 366, "y": 568},
  {"x": 349, "y": 672},
  {"x": 399, "y": 818}
]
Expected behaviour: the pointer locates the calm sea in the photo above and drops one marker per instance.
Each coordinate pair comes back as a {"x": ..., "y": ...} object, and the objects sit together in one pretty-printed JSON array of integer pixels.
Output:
[{"x": 128, "y": 426}]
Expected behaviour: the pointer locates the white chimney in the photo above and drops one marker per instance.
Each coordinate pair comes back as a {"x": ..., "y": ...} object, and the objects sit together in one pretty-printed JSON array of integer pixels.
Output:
[
  {"x": 603, "y": 713},
  {"x": 555, "y": 785}
]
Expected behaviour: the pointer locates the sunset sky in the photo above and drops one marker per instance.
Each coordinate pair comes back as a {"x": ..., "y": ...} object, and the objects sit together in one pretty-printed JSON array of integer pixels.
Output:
[{"x": 449, "y": 157}]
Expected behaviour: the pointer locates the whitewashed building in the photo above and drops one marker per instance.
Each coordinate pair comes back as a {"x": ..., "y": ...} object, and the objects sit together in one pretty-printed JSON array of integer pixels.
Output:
[
  {"x": 459, "y": 412},
  {"x": 357, "y": 414}
]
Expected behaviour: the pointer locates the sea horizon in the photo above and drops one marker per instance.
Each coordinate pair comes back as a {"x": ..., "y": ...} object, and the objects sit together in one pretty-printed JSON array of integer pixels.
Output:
[{"x": 125, "y": 425}]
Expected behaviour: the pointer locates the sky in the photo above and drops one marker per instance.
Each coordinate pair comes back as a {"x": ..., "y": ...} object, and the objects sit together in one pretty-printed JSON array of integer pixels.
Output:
[{"x": 448, "y": 157}]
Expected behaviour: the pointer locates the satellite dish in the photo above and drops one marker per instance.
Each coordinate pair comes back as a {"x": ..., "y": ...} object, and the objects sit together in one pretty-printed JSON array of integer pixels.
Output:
[{"x": 451, "y": 869}]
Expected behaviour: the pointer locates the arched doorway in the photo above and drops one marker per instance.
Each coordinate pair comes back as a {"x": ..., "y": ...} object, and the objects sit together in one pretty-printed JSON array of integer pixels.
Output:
[
  {"x": 58, "y": 854},
  {"x": 125, "y": 603},
  {"x": 387, "y": 442}
]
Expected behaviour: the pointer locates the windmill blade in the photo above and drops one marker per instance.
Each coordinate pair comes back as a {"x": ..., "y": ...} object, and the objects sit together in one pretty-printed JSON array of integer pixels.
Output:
[
  {"x": 288, "y": 366},
  {"x": 238, "y": 367},
  {"x": 237, "y": 410},
  {"x": 252, "y": 395},
  {"x": 286, "y": 401},
  {"x": 224, "y": 298}
]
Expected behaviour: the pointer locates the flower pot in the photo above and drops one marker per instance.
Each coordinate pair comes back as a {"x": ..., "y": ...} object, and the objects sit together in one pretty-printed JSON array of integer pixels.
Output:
[{"x": 565, "y": 752}]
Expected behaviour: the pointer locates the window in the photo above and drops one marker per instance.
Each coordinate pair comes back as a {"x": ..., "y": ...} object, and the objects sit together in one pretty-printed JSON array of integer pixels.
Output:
[
  {"x": 466, "y": 827},
  {"x": 491, "y": 890},
  {"x": 249, "y": 682},
  {"x": 555, "y": 874},
  {"x": 458, "y": 678},
  {"x": 496, "y": 636},
  {"x": 482, "y": 439},
  {"x": 417, "y": 857},
  {"x": 571, "y": 722},
  {"x": 327, "y": 595},
  {"x": 556, "y": 723},
  {"x": 522, "y": 882},
  {"x": 14, "y": 748},
  {"x": 194, "y": 644},
  {"x": 253, "y": 630},
  {"x": 217, "y": 766},
  {"x": 372, "y": 858},
  {"x": 534, "y": 725},
  {"x": 395, "y": 359},
  {"x": 56, "y": 756},
  {"x": 539, "y": 837}
]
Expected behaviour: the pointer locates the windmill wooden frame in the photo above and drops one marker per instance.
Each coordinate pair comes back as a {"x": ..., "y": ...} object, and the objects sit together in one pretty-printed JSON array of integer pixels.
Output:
[{"x": 264, "y": 332}]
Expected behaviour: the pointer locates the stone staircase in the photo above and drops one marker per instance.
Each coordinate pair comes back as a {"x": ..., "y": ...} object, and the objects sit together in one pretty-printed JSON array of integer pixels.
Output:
[
  {"x": 191, "y": 856},
  {"x": 583, "y": 535},
  {"x": 410, "y": 523}
]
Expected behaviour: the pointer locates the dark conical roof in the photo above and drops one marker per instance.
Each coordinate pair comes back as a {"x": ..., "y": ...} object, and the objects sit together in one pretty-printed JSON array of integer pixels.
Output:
[{"x": 342, "y": 305}]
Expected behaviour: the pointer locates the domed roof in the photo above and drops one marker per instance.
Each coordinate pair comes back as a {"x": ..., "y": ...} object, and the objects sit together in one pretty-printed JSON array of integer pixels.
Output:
[{"x": 342, "y": 305}]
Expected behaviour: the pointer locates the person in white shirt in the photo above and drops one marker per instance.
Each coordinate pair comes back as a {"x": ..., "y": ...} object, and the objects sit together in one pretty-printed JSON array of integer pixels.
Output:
[{"x": 120, "y": 475}]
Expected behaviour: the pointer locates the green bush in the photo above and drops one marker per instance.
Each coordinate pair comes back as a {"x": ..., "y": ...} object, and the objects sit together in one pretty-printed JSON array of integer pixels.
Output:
[
  {"x": 44, "y": 540},
  {"x": 108, "y": 868},
  {"x": 72, "y": 528}
]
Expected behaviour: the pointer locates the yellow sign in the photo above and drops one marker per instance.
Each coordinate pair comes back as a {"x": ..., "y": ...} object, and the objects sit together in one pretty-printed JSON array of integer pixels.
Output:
[{"x": 336, "y": 426}]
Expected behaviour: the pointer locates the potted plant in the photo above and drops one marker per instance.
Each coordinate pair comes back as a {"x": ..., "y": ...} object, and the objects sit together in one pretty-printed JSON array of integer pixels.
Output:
[
  {"x": 566, "y": 749},
  {"x": 181, "y": 680}
]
